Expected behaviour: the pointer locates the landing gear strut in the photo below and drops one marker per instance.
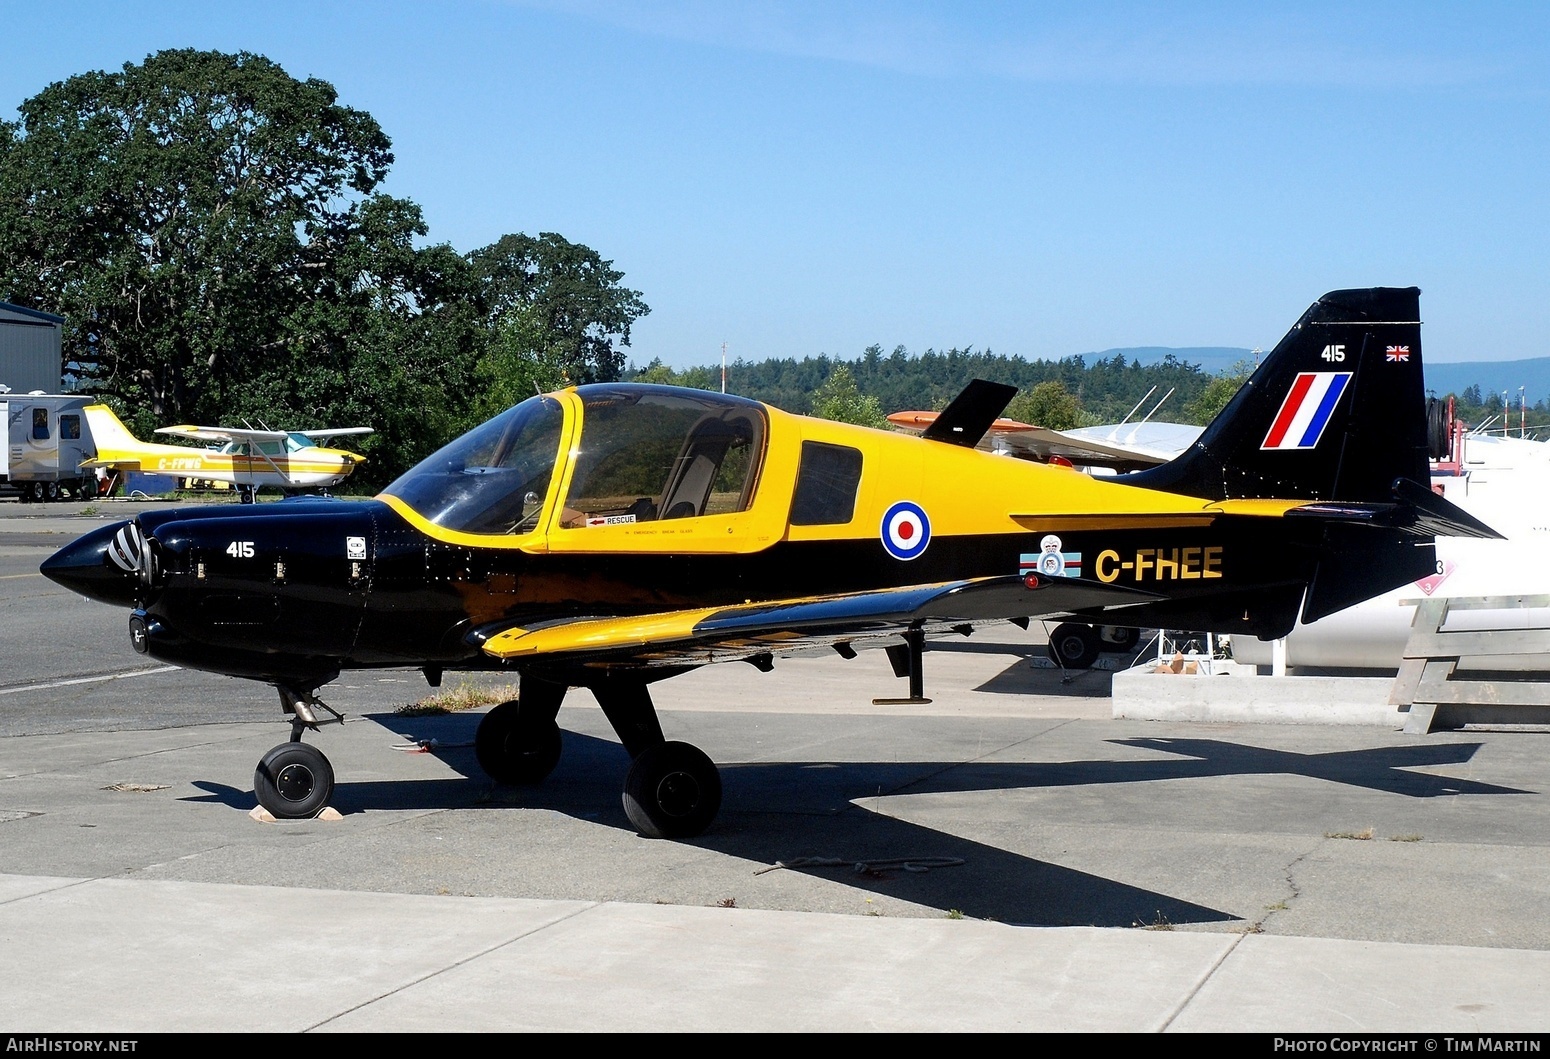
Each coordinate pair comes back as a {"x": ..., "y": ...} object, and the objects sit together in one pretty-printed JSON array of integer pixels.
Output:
[
  {"x": 295, "y": 781},
  {"x": 673, "y": 790}
]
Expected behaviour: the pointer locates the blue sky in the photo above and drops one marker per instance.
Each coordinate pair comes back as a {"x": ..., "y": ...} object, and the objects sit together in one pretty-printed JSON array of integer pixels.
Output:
[{"x": 1041, "y": 179}]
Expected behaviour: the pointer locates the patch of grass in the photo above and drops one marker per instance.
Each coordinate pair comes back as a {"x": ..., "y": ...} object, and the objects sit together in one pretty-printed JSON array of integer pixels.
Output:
[
  {"x": 1279, "y": 906},
  {"x": 1359, "y": 836},
  {"x": 465, "y": 696},
  {"x": 89, "y": 509},
  {"x": 1160, "y": 923},
  {"x": 727, "y": 902},
  {"x": 1404, "y": 838},
  {"x": 953, "y": 913}
]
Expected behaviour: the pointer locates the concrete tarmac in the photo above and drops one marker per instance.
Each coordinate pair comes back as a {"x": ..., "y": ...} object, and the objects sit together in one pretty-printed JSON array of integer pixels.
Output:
[{"x": 1007, "y": 857}]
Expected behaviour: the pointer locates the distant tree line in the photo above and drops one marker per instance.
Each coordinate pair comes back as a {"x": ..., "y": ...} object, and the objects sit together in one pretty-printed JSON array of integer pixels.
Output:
[
  {"x": 1055, "y": 393},
  {"x": 213, "y": 232}
]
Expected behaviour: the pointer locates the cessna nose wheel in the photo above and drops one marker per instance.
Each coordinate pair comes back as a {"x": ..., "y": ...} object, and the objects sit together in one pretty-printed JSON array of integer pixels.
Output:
[{"x": 294, "y": 781}]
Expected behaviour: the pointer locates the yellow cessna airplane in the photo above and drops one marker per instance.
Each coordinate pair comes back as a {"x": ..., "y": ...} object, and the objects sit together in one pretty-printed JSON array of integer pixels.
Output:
[
  {"x": 247, "y": 459},
  {"x": 611, "y": 536}
]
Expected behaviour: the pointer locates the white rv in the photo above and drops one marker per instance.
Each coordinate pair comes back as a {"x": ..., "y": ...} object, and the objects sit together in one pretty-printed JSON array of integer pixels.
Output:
[{"x": 47, "y": 440}]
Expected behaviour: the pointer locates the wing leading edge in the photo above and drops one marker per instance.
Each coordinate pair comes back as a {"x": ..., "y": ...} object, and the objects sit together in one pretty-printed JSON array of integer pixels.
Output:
[{"x": 707, "y": 634}]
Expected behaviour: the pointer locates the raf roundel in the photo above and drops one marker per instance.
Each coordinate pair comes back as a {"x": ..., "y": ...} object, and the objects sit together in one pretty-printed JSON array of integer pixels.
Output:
[{"x": 906, "y": 530}]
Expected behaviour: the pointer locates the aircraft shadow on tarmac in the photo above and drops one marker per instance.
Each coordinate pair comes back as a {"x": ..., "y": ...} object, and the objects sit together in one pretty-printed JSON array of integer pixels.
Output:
[{"x": 812, "y": 817}]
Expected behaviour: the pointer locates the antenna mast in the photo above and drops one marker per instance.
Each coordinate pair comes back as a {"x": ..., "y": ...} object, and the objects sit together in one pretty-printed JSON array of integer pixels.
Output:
[{"x": 723, "y": 367}]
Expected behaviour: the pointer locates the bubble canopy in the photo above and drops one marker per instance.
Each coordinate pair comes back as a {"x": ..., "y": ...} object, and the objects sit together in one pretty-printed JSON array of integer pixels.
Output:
[{"x": 641, "y": 453}]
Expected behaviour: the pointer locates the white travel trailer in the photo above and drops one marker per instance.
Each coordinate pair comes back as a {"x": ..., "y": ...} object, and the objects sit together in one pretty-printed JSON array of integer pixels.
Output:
[{"x": 47, "y": 440}]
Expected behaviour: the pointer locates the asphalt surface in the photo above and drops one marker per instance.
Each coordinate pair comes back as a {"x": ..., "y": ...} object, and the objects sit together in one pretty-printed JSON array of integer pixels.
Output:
[{"x": 1008, "y": 857}]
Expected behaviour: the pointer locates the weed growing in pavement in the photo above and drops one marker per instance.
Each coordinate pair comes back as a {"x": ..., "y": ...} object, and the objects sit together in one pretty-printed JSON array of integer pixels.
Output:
[{"x": 465, "y": 696}]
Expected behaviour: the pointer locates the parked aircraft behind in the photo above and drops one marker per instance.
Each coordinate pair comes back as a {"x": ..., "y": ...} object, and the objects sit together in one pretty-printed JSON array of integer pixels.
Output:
[
  {"x": 247, "y": 459},
  {"x": 610, "y": 536}
]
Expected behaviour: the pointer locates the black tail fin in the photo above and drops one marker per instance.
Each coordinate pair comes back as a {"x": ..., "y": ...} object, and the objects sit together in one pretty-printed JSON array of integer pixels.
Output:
[
  {"x": 1335, "y": 415},
  {"x": 1337, "y": 411}
]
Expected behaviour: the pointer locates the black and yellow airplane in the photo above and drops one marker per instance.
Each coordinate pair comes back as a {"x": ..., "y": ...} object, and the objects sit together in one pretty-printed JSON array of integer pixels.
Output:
[{"x": 610, "y": 536}]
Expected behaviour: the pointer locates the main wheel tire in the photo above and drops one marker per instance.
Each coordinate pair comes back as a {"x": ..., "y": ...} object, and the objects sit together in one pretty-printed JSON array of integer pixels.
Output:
[
  {"x": 672, "y": 791},
  {"x": 294, "y": 781},
  {"x": 51, "y": 491},
  {"x": 514, "y": 746},
  {"x": 1075, "y": 646},
  {"x": 1117, "y": 638}
]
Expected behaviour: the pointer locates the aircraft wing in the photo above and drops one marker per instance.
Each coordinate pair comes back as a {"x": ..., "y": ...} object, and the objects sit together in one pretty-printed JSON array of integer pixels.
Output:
[
  {"x": 1125, "y": 448},
  {"x": 1122, "y": 447},
  {"x": 713, "y": 634},
  {"x": 222, "y": 434},
  {"x": 335, "y": 432}
]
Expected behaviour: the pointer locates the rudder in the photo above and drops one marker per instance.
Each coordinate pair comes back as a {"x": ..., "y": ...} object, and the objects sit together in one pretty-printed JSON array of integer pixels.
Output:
[{"x": 1337, "y": 411}]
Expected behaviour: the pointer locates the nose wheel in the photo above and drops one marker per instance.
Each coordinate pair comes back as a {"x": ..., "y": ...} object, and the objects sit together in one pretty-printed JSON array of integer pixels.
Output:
[{"x": 294, "y": 781}]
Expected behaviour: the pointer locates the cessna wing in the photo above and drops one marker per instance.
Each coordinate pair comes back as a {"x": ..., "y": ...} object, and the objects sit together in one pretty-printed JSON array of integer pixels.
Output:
[
  {"x": 752, "y": 631},
  {"x": 222, "y": 434},
  {"x": 335, "y": 432}
]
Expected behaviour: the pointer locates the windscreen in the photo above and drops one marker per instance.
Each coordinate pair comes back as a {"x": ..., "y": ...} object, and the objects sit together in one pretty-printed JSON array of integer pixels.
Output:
[{"x": 492, "y": 479}]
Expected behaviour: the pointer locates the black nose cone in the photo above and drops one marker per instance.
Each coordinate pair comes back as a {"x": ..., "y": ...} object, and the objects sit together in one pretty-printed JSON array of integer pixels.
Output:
[{"x": 104, "y": 565}]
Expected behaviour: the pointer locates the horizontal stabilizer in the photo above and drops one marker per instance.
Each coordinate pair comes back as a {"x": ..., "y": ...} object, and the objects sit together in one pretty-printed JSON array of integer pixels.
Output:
[{"x": 1416, "y": 511}]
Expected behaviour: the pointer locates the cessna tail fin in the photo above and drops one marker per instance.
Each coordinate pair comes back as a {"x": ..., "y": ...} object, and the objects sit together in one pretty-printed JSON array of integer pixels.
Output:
[
  {"x": 1337, "y": 411},
  {"x": 110, "y": 437}
]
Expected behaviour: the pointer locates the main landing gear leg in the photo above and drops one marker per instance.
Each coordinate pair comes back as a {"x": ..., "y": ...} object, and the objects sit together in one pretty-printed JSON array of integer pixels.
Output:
[
  {"x": 518, "y": 742},
  {"x": 906, "y": 659},
  {"x": 673, "y": 790},
  {"x": 294, "y": 780}
]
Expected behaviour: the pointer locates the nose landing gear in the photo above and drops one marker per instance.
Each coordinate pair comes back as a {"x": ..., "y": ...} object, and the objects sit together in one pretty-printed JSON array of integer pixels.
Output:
[{"x": 295, "y": 781}]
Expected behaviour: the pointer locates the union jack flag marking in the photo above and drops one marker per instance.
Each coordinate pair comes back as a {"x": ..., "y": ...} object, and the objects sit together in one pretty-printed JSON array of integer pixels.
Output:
[
  {"x": 1307, "y": 410},
  {"x": 1396, "y": 354}
]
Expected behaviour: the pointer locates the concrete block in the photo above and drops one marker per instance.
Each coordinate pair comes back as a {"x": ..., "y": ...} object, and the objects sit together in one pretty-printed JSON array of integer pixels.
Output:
[{"x": 1140, "y": 694}]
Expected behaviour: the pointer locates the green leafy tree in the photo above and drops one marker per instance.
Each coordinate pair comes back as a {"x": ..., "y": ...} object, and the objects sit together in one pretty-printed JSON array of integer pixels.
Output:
[
  {"x": 178, "y": 213},
  {"x": 841, "y": 400},
  {"x": 1048, "y": 404},
  {"x": 701, "y": 378},
  {"x": 210, "y": 228},
  {"x": 1221, "y": 389},
  {"x": 557, "y": 303}
]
